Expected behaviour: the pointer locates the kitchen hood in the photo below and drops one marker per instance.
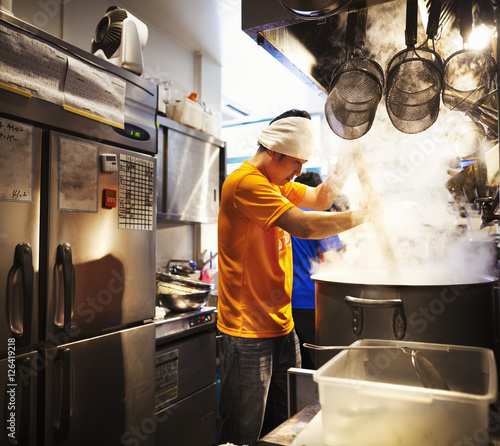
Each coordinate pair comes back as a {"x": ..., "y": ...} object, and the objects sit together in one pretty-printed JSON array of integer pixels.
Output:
[{"x": 311, "y": 49}]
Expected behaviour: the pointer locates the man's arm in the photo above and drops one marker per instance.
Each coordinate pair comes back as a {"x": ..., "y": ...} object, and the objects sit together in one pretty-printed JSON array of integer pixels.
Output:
[
  {"x": 322, "y": 197},
  {"x": 317, "y": 225}
]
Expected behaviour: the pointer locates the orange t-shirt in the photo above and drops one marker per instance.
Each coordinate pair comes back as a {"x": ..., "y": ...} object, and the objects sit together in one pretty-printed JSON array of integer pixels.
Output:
[{"x": 255, "y": 257}]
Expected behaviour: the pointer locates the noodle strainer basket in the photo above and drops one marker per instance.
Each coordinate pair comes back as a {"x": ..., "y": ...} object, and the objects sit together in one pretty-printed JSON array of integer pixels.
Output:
[
  {"x": 356, "y": 86},
  {"x": 468, "y": 74},
  {"x": 414, "y": 81}
]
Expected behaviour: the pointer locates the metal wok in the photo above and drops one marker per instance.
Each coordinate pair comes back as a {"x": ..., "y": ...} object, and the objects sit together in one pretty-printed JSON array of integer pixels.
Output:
[{"x": 181, "y": 294}]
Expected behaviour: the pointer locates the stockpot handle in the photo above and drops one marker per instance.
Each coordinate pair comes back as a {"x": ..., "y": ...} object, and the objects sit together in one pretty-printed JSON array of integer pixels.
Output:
[{"x": 356, "y": 305}]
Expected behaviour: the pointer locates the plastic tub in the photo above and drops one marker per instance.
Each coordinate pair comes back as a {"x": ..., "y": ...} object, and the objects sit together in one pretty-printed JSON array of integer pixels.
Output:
[
  {"x": 374, "y": 397},
  {"x": 209, "y": 124},
  {"x": 187, "y": 112}
]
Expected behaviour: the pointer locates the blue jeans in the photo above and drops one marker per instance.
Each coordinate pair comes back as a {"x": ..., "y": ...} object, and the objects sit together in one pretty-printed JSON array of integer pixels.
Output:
[{"x": 253, "y": 389}]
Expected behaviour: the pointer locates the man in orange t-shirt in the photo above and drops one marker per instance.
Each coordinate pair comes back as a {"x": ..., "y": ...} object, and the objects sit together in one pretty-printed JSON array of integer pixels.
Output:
[{"x": 259, "y": 210}]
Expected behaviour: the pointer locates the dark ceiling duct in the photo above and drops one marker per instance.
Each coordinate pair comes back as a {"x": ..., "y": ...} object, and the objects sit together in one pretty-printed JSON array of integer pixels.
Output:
[
  {"x": 315, "y": 9},
  {"x": 312, "y": 49}
]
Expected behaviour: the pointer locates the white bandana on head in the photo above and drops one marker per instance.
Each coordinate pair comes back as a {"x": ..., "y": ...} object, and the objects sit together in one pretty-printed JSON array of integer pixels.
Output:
[{"x": 293, "y": 136}]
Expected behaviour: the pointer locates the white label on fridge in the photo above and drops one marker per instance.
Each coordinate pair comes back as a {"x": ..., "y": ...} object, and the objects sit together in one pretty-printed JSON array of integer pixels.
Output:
[
  {"x": 77, "y": 176},
  {"x": 16, "y": 161},
  {"x": 135, "y": 194}
]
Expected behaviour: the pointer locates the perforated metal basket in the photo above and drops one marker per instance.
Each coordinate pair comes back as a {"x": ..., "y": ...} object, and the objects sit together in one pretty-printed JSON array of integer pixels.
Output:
[
  {"x": 355, "y": 91},
  {"x": 356, "y": 86},
  {"x": 468, "y": 77},
  {"x": 414, "y": 82}
]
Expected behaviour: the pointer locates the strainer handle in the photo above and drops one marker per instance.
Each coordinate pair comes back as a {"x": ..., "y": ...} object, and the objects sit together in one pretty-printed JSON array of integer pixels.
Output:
[
  {"x": 433, "y": 22},
  {"x": 350, "y": 32},
  {"x": 411, "y": 23},
  {"x": 465, "y": 20}
]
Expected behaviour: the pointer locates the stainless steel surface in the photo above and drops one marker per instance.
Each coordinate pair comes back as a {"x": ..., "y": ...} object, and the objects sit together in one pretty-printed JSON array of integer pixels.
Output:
[
  {"x": 448, "y": 313},
  {"x": 182, "y": 323},
  {"x": 192, "y": 358},
  {"x": 12, "y": 293},
  {"x": 141, "y": 99},
  {"x": 111, "y": 388},
  {"x": 286, "y": 433},
  {"x": 301, "y": 389},
  {"x": 190, "y": 168},
  {"x": 90, "y": 371},
  {"x": 190, "y": 422},
  {"x": 185, "y": 385},
  {"x": 28, "y": 385},
  {"x": 114, "y": 269}
]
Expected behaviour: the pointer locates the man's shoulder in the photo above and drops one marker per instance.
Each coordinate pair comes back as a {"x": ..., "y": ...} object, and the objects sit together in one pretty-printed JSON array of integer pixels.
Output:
[{"x": 247, "y": 176}]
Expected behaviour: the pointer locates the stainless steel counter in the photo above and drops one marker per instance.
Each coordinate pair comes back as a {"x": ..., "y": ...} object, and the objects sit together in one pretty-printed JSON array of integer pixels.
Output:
[{"x": 285, "y": 434}]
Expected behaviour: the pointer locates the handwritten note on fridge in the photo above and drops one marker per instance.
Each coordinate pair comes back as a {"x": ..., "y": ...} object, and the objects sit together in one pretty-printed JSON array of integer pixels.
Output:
[{"x": 16, "y": 163}]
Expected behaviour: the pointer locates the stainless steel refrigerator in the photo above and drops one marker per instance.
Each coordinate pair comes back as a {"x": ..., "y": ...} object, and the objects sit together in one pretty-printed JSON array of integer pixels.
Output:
[{"x": 77, "y": 258}]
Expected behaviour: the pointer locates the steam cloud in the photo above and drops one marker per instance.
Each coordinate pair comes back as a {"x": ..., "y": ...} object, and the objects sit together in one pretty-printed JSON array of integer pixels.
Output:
[{"x": 430, "y": 235}]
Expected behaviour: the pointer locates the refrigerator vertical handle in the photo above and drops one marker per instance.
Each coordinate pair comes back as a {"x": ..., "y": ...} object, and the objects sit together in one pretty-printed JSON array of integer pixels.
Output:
[
  {"x": 24, "y": 382},
  {"x": 23, "y": 260},
  {"x": 65, "y": 259},
  {"x": 61, "y": 426}
]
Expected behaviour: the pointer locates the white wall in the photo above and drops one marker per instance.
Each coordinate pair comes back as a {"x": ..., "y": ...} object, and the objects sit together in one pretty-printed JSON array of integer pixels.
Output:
[{"x": 75, "y": 21}]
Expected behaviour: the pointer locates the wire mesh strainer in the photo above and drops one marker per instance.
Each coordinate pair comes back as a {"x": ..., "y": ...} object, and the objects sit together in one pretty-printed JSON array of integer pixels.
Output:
[
  {"x": 414, "y": 81},
  {"x": 468, "y": 74},
  {"x": 356, "y": 86}
]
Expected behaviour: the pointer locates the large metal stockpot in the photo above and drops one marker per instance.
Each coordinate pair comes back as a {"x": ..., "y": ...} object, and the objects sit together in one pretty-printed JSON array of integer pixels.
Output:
[{"x": 423, "y": 307}]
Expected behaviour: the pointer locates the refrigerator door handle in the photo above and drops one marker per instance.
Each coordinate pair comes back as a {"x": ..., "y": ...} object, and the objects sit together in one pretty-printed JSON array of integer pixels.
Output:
[
  {"x": 61, "y": 426},
  {"x": 23, "y": 260},
  {"x": 64, "y": 258}
]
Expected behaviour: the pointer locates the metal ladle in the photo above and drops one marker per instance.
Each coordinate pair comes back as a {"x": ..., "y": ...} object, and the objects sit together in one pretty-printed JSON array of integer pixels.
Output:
[{"x": 425, "y": 370}]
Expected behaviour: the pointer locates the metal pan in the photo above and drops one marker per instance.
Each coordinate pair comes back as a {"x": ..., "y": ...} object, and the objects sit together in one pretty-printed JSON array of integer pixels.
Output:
[{"x": 181, "y": 294}]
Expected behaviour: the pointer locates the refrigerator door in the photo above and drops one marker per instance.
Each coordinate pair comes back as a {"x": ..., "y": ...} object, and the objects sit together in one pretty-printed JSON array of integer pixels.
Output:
[
  {"x": 99, "y": 391},
  {"x": 18, "y": 387},
  {"x": 101, "y": 239},
  {"x": 20, "y": 156}
]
